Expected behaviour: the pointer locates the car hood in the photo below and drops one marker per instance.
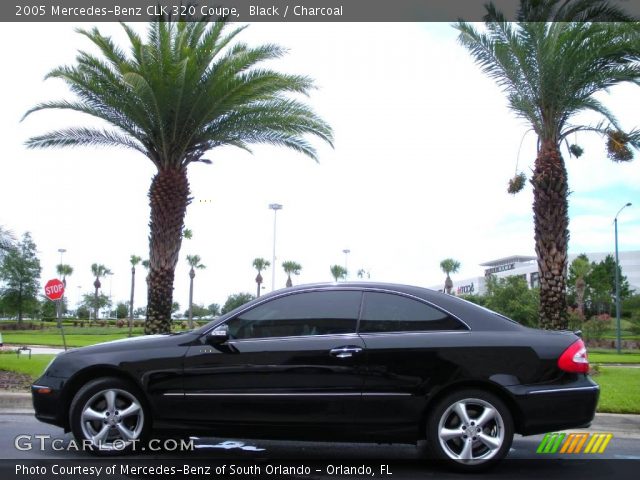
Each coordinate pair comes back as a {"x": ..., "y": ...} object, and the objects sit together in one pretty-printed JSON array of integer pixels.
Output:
[{"x": 138, "y": 343}]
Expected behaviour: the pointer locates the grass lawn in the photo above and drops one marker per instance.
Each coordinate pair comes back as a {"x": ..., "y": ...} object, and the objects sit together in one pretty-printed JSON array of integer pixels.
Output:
[
  {"x": 53, "y": 338},
  {"x": 33, "y": 366},
  {"x": 607, "y": 357},
  {"x": 619, "y": 390}
]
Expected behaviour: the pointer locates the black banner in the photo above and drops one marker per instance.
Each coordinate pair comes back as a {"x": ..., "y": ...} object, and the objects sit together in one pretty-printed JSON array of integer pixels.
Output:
[{"x": 191, "y": 469}]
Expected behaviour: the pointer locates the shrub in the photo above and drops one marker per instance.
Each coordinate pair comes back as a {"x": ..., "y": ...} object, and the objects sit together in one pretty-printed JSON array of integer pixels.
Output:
[{"x": 595, "y": 328}]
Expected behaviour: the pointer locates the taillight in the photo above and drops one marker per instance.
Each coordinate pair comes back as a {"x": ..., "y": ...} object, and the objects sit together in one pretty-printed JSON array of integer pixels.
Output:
[{"x": 574, "y": 359}]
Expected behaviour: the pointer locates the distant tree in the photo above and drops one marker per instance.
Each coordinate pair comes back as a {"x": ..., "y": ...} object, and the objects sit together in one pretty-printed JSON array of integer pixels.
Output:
[
  {"x": 20, "y": 272},
  {"x": 83, "y": 312},
  {"x": 197, "y": 311},
  {"x": 512, "y": 297},
  {"x": 236, "y": 300},
  {"x": 134, "y": 260},
  {"x": 601, "y": 285},
  {"x": 362, "y": 273},
  {"x": 49, "y": 309},
  {"x": 95, "y": 303},
  {"x": 260, "y": 264},
  {"x": 175, "y": 306},
  {"x": 291, "y": 268},
  {"x": 122, "y": 310},
  {"x": 338, "y": 272},
  {"x": 140, "y": 312},
  {"x": 98, "y": 271},
  {"x": 214, "y": 309},
  {"x": 448, "y": 266},
  {"x": 194, "y": 262}
]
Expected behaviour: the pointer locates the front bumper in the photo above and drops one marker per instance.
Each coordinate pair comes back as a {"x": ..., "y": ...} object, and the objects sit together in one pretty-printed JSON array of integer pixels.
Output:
[
  {"x": 46, "y": 397},
  {"x": 556, "y": 407}
]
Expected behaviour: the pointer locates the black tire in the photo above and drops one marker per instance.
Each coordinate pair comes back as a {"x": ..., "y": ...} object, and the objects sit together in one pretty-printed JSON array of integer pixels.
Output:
[
  {"x": 467, "y": 444},
  {"x": 109, "y": 416}
]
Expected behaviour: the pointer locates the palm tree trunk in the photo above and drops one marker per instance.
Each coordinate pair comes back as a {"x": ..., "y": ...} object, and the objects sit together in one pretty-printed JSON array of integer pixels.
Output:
[
  {"x": 96, "y": 285},
  {"x": 192, "y": 274},
  {"x": 259, "y": 282},
  {"x": 133, "y": 286},
  {"x": 551, "y": 228},
  {"x": 168, "y": 198}
]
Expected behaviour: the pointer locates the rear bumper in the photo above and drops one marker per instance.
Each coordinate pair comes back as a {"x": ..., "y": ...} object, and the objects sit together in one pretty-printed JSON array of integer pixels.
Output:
[{"x": 556, "y": 407}]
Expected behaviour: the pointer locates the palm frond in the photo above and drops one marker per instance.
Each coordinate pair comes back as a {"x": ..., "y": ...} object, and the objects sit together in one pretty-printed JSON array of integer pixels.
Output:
[{"x": 75, "y": 137}]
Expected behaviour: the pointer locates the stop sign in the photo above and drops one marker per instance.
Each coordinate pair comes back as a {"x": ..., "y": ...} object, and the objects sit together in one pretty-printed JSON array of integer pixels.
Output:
[{"x": 54, "y": 289}]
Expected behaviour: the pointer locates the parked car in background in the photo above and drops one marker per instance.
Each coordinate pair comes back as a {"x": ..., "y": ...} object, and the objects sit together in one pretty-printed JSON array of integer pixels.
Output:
[{"x": 371, "y": 362}]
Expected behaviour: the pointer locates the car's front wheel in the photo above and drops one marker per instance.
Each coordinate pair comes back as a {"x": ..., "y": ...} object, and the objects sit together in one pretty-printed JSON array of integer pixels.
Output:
[
  {"x": 470, "y": 429},
  {"x": 108, "y": 417}
]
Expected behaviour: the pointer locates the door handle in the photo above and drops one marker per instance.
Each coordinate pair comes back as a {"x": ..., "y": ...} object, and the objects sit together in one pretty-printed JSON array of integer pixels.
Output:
[{"x": 345, "y": 352}]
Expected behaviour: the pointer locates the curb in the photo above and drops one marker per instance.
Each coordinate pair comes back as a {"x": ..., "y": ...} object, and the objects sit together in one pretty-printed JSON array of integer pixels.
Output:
[{"x": 15, "y": 401}]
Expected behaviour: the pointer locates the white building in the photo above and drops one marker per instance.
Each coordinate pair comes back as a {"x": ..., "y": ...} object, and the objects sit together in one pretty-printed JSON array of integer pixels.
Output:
[{"x": 527, "y": 267}]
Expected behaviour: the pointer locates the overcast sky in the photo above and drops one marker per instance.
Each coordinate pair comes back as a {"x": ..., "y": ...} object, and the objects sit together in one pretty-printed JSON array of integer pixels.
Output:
[{"x": 425, "y": 146}]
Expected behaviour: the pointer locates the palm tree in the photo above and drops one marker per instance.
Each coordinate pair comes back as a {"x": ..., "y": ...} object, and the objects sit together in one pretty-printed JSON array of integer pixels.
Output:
[
  {"x": 194, "y": 262},
  {"x": 291, "y": 268},
  {"x": 7, "y": 240},
  {"x": 564, "y": 11},
  {"x": 260, "y": 264},
  {"x": 449, "y": 265},
  {"x": 186, "y": 89},
  {"x": 550, "y": 72},
  {"x": 338, "y": 272},
  {"x": 64, "y": 270},
  {"x": 580, "y": 269},
  {"x": 98, "y": 271},
  {"x": 134, "y": 260}
]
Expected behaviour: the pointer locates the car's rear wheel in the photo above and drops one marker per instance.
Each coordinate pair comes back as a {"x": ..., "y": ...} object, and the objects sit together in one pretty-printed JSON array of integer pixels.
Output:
[
  {"x": 108, "y": 415},
  {"x": 470, "y": 430}
]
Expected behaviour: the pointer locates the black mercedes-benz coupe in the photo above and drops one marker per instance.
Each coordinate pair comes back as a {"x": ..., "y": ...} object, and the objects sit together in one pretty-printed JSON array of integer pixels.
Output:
[{"x": 366, "y": 362}]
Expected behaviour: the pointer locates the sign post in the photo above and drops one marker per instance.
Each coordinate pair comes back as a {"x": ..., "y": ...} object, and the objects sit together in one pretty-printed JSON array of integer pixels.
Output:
[{"x": 54, "y": 291}]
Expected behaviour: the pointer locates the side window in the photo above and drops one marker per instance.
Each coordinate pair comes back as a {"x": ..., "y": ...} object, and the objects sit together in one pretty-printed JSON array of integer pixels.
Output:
[
  {"x": 385, "y": 312},
  {"x": 310, "y": 313}
]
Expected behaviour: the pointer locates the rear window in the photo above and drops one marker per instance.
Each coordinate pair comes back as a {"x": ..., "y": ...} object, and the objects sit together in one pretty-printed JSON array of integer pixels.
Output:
[{"x": 386, "y": 312}]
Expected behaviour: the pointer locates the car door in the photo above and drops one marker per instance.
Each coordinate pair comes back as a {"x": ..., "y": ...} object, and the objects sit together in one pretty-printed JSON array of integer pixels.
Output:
[
  {"x": 405, "y": 339},
  {"x": 292, "y": 360}
]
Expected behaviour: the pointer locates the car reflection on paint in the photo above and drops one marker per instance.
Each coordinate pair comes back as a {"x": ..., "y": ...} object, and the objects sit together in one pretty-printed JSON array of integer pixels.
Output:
[{"x": 348, "y": 362}]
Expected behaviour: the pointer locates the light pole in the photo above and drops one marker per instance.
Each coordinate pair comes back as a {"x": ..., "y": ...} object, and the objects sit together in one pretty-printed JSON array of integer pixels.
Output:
[
  {"x": 346, "y": 252},
  {"x": 275, "y": 207},
  {"x": 615, "y": 229},
  {"x": 110, "y": 302}
]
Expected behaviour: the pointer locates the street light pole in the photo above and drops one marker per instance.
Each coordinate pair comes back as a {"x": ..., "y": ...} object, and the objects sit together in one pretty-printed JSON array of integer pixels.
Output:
[
  {"x": 615, "y": 229},
  {"x": 275, "y": 207},
  {"x": 346, "y": 252}
]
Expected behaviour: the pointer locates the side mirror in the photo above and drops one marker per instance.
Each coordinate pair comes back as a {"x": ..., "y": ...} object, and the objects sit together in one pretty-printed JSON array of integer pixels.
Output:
[{"x": 218, "y": 335}]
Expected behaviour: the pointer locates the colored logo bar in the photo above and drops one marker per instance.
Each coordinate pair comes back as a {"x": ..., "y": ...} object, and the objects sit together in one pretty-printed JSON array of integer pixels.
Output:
[{"x": 574, "y": 443}]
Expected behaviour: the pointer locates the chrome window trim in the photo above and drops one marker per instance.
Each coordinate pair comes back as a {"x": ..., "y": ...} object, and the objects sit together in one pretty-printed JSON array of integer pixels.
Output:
[{"x": 334, "y": 288}]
